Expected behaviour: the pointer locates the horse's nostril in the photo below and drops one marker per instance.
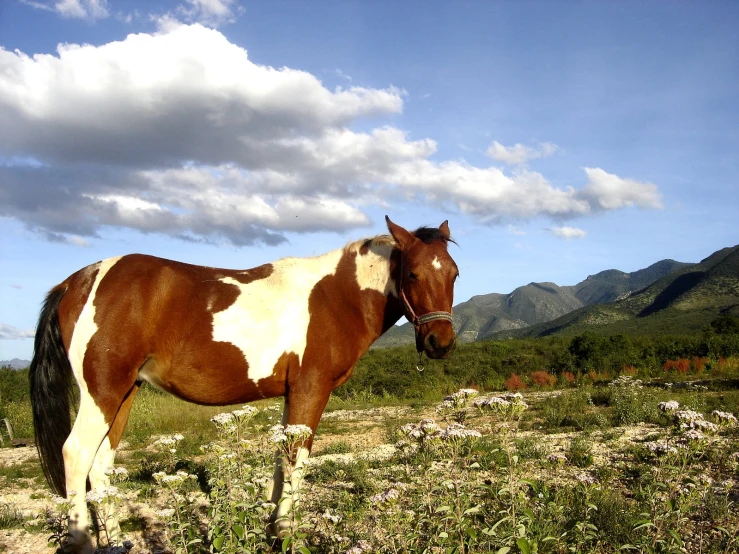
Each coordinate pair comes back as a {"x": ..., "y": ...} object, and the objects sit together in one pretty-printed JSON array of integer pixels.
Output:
[{"x": 432, "y": 341}]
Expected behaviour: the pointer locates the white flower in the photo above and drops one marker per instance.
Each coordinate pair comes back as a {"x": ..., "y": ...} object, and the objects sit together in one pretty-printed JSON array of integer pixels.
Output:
[
  {"x": 387, "y": 496},
  {"x": 298, "y": 432},
  {"x": 223, "y": 419},
  {"x": 101, "y": 495},
  {"x": 165, "y": 513},
  {"x": 556, "y": 458},
  {"x": 725, "y": 418},
  {"x": 586, "y": 479},
  {"x": 693, "y": 435},
  {"x": 669, "y": 406},
  {"x": 687, "y": 415},
  {"x": 457, "y": 431},
  {"x": 660, "y": 447},
  {"x": 333, "y": 518},
  {"x": 626, "y": 381},
  {"x": 245, "y": 412}
]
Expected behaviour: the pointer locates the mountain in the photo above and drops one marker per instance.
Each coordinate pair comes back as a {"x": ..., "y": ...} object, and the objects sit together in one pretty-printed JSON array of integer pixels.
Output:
[
  {"x": 612, "y": 284},
  {"x": 683, "y": 301},
  {"x": 15, "y": 363},
  {"x": 485, "y": 315}
]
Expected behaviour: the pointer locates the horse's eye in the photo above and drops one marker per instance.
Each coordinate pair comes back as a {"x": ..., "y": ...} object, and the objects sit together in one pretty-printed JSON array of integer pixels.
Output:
[{"x": 412, "y": 276}]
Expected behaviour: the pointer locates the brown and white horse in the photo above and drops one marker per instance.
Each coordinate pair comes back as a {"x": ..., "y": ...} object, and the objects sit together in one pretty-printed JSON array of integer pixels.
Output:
[{"x": 293, "y": 328}]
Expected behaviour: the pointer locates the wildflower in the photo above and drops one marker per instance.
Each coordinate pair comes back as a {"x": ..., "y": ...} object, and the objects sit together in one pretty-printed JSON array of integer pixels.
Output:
[
  {"x": 660, "y": 447},
  {"x": 165, "y": 512},
  {"x": 223, "y": 419},
  {"x": 669, "y": 406},
  {"x": 245, "y": 412},
  {"x": 298, "y": 432},
  {"x": 724, "y": 418},
  {"x": 703, "y": 425},
  {"x": 626, "y": 381},
  {"x": 333, "y": 518},
  {"x": 457, "y": 431},
  {"x": 586, "y": 479},
  {"x": 101, "y": 495},
  {"x": 687, "y": 415},
  {"x": 693, "y": 435},
  {"x": 387, "y": 496},
  {"x": 277, "y": 434},
  {"x": 445, "y": 406},
  {"x": 556, "y": 458}
]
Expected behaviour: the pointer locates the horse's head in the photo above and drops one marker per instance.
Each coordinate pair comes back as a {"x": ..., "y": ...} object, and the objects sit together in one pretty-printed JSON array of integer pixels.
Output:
[{"x": 425, "y": 286}]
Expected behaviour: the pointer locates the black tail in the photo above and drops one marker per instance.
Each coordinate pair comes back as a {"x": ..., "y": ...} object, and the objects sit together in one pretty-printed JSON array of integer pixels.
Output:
[{"x": 51, "y": 379}]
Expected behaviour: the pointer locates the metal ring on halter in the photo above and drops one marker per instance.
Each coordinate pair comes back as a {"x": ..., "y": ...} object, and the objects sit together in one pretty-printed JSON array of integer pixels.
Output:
[{"x": 419, "y": 365}]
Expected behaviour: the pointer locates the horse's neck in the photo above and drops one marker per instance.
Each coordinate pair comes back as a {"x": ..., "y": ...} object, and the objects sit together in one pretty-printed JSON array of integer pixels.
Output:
[{"x": 378, "y": 301}]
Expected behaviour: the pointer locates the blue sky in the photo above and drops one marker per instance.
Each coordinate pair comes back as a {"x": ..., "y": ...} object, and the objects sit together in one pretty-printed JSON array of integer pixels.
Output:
[{"x": 558, "y": 138}]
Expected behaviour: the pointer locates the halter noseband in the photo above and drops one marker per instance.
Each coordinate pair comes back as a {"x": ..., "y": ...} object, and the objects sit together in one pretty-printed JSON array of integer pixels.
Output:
[{"x": 426, "y": 318}]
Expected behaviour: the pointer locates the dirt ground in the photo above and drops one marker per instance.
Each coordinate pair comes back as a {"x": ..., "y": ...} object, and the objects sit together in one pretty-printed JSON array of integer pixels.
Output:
[{"x": 364, "y": 431}]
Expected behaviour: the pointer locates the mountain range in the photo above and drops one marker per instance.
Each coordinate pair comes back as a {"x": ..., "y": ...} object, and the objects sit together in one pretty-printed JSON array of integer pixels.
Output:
[
  {"x": 15, "y": 363},
  {"x": 668, "y": 297}
]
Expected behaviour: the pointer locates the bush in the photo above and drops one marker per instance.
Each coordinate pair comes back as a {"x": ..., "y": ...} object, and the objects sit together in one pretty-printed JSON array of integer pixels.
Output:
[
  {"x": 543, "y": 379},
  {"x": 514, "y": 382}
]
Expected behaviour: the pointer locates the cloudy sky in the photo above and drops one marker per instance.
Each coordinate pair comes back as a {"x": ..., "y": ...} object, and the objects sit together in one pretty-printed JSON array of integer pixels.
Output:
[{"x": 558, "y": 138}]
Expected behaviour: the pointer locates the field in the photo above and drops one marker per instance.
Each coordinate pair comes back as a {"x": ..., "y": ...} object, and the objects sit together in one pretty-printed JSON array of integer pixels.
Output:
[{"x": 607, "y": 465}]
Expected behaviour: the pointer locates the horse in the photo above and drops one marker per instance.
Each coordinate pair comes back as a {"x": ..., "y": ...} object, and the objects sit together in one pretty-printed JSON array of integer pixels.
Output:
[{"x": 294, "y": 328}]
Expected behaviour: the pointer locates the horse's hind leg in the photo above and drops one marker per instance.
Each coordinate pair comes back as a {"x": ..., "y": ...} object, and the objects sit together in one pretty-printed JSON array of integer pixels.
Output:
[
  {"x": 103, "y": 464},
  {"x": 79, "y": 451}
]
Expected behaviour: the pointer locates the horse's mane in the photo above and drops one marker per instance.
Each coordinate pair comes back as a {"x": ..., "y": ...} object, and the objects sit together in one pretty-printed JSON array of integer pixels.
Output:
[{"x": 426, "y": 235}]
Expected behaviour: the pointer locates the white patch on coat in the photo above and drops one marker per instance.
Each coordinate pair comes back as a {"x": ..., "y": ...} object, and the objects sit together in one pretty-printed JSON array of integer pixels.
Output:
[
  {"x": 436, "y": 263},
  {"x": 270, "y": 317},
  {"x": 86, "y": 327},
  {"x": 373, "y": 269}
]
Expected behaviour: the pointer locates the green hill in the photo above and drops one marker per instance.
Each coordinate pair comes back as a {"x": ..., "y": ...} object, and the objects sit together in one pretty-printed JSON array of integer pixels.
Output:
[
  {"x": 684, "y": 301},
  {"x": 489, "y": 315}
]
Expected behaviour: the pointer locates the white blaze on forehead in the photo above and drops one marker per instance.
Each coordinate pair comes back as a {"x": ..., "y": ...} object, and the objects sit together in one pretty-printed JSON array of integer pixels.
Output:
[
  {"x": 436, "y": 263},
  {"x": 270, "y": 316}
]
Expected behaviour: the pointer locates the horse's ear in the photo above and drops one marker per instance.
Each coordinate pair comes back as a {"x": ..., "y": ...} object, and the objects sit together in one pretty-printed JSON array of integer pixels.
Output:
[
  {"x": 444, "y": 230},
  {"x": 402, "y": 237}
]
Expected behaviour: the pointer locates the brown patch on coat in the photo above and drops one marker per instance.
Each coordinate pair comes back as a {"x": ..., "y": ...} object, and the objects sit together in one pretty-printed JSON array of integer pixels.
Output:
[{"x": 163, "y": 319}]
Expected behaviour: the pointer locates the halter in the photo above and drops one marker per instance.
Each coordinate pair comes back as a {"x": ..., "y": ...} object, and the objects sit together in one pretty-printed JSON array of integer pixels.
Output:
[{"x": 416, "y": 320}]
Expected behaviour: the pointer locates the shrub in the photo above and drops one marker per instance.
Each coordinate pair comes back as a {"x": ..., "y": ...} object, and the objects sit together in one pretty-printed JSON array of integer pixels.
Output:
[
  {"x": 699, "y": 364},
  {"x": 681, "y": 365},
  {"x": 543, "y": 379},
  {"x": 568, "y": 376},
  {"x": 514, "y": 382},
  {"x": 629, "y": 370}
]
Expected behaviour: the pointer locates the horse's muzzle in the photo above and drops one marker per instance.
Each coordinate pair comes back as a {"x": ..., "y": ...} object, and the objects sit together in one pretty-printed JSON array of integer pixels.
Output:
[{"x": 437, "y": 347}]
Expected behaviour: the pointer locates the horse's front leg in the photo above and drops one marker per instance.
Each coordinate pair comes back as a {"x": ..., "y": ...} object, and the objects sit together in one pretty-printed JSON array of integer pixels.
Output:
[{"x": 300, "y": 419}]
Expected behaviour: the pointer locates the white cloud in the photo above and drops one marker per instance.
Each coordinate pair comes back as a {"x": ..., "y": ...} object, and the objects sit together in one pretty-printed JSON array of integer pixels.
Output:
[
  {"x": 8, "y": 332},
  {"x": 74, "y": 9},
  {"x": 212, "y": 13},
  {"x": 178, "y": 132},
  {"x": 519, "y": 153},
  {"x": 568, "y": 232},
  {"x": 611, "y": 192},
  {"x": 513, "y": 230}
]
